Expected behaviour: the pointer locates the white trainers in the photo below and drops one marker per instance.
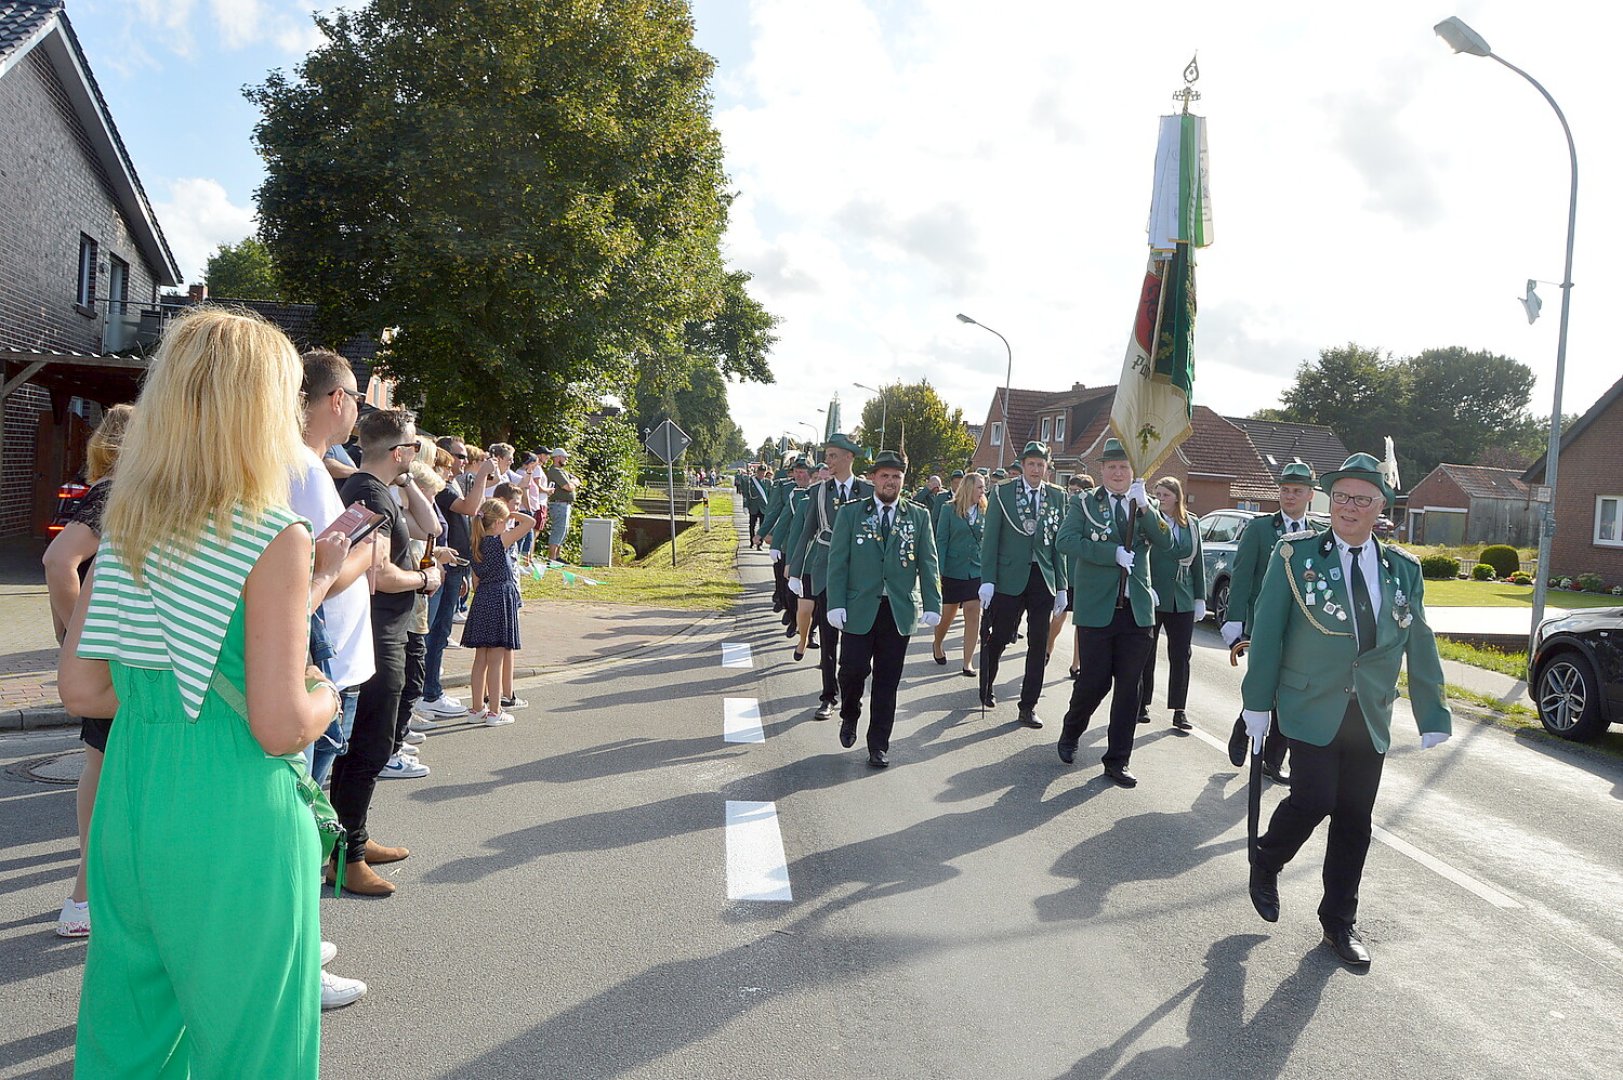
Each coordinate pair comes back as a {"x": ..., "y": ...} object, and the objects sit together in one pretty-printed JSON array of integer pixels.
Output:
[
  {"x": 337, "y": 991},
  {"x": 421, "y": 723},
  {"x": 415, "y": 738},
  {"x": 445, "y": 708},
  {"x": 498, "y": 719},
  {"x": 328, "y": 951},
  {"x": 402, "y": 768},
  {"x": 408, "y": 750},
  {"x": 74, "y": 920},
  {"x": 460, "y": 617}
]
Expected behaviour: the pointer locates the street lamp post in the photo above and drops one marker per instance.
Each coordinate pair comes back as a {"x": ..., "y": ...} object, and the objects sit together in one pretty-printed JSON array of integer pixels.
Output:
[
  {"x": 1008, "y": 373},
  {"x": 1462, "y": 39},
  {"x": 884, "y": 410}
]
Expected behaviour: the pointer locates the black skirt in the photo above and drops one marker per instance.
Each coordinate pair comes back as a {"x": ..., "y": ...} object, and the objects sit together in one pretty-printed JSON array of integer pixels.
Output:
[{"x": 960, "y": 590}]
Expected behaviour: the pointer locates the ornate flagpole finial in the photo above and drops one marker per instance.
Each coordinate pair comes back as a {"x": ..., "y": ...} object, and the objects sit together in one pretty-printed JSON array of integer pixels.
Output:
[{"x": 1191, "y": 75}]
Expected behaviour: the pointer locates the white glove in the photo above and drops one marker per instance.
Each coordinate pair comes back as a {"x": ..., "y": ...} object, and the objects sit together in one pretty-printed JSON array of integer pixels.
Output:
[
  {"x": 1059, "y": 602},
  {"x": 1429, "y": 739},
  {"x": 796, "y": 587},
  {"x": 1124, "y": 558},
  {"x": 777, "y": 556},
  {"x": 836, "y": 618},
  {"x": 1232, "y": 632},
  {"x": 987, "y": 589},
  {"x": 932, "y": 619},
  {"x": 1256, "y": 726},
  {"x": 1135, "y": 494},
  {"x": 1200, "y": 611}
]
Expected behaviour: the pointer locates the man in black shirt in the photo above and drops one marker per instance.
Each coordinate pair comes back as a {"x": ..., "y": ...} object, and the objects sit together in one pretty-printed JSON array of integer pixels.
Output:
[{"x": 388, "y": 446}]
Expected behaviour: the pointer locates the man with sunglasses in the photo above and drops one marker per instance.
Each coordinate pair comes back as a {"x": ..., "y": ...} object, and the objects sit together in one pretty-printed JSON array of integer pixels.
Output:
[{"x": 1337, "y": 617}]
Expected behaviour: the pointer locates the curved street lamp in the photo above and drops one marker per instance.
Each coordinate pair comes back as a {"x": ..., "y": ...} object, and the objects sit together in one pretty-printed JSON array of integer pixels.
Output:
[
  {"x": 1008, "y": 373},
  {"x": 1462, "y": 39},
  {"x": 884, "y": 410}
]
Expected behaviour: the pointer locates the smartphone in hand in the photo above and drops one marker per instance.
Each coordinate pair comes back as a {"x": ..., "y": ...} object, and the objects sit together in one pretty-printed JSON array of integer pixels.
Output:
[{"x": 357, "y": 523}]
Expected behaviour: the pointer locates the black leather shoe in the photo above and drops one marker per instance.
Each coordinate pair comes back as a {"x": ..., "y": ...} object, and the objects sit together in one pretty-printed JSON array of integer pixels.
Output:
[
  {"x": 1144, "y": 716},
  {"x": 789, "y": 630},
  {"x": 777, "y": 605},
  {"x": 1237, "y": 742},
  {"x": 813, "y": 643},
  {"x": 1348, "y": 946},
  {"x": 1277, "y": 774},
  {"x": 970, "y": 673},
  {"x": 1067, "y": 752},
  {"x": 1119, "y": 776},
  {"x": 940, "y": 659},
  {"x": 1029, "y": 718},
  {"x": 878, "y": 759},
  {"x": 825, "y": 709},
  {"x": 1265, "y": 893},
  {"x": 848, "y": 733},
  {"x": 988, "y": 699},
  {"x": 1180, "y": 721},
  {"x": 800, "y": 654}
]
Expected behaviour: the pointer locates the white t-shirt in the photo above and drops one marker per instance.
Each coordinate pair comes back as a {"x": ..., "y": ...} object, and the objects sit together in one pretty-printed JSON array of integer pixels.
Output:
[{"x": 349, "y": 613}]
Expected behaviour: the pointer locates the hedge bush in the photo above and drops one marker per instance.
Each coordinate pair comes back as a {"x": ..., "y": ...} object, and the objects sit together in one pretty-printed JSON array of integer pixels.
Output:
[
  {"x": 1483, "y": 572},
  {"x": 1503, "y": 558},
  {"x": 1440, "y": 566},
  {"x": 1520, "y": 577}
]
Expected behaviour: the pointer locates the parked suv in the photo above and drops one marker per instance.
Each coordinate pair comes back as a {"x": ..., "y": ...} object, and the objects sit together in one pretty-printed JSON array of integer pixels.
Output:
[
  {"x": 1575, "y": 673},
  {"x": 1219, "y": 536}
]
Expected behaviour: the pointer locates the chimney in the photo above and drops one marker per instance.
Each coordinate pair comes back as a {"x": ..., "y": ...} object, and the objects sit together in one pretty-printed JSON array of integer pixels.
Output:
[
  {"x": 1077, "y": 387},
  {"x": 197, "y": 293}
]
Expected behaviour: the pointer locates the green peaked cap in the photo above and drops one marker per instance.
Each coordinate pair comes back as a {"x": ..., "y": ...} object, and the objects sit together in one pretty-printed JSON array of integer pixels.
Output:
[
  {"x": 890, "y": 459},
  {"x": 1298, "y": 472},
  {"x": 1035, "y": 448},
  {"x": 843, "y": 441},
  {"x": 1114, "y": 451},
  {"x": 1358, "y": 467}
]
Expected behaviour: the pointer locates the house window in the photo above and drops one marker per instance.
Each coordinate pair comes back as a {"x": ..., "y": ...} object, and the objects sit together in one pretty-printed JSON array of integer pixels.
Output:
[
  {"x": 1059, "y": 430},
  {"x": 1609, "y": 520},
  {"x": 86, "y": 293},
  {"x": 1048, "y": 429},
  {"x": 997, "y": 434}
]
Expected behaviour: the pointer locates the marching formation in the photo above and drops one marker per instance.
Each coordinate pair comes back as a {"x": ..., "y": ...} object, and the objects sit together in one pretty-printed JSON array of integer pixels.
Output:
[{"x": 1326, "y": 615}]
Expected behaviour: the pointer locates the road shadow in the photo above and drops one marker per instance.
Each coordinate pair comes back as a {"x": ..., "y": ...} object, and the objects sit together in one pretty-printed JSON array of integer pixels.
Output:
[{"x": 19, "y": 1052}]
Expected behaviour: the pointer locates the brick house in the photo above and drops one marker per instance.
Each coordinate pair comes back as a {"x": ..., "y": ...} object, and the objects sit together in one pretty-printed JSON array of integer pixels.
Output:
[
  {"x": 1589, "y": 493},
  {"x": 1472, "y": 504},
  {"x": 81, "y": 255}
]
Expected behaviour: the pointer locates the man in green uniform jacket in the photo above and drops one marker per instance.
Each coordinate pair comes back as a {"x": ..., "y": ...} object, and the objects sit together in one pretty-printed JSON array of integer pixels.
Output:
[
  {"x": 1250, "y": 561},
  {"x": 882, "y": 585},
  {"x": 1110, "y": 532},
  {"x": 756, "y": 495},
  {"x": 775, "y": 525},
  {"x": 1337, "y": 616},
  {"x": 1021, "y": 574},
  {"x": 943, "y": 497}
]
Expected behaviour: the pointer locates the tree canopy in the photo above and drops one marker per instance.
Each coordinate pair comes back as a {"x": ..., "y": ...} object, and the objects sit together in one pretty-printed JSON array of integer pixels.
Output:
[
  {"x": 530, "y": 191},
  {"x": 913, "y": 418},
  {"x": 243, "y": 271}
]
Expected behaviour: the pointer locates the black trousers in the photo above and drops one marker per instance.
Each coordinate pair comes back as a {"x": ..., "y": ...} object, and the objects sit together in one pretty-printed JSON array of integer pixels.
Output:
[
  {"x": 782, "y": 598},
  {"x": 355, "y": 774},
  {"x": 1112, "y": 656},
  {"x": 755, "y": 520},
  {"x": 1274, "y": 744},
  {"x": 1180, "y": 627},
  {"x": 828, "y": 658},
  {"x": 1340, "y": 782},
  {"x": 1036, "y": 603},
  {"x": 882, "y": 649},
  {"x": 411, "y": 686}
]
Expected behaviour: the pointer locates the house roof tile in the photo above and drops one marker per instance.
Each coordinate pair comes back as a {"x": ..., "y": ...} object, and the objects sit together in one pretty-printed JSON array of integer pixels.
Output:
[
  {"x": 1279, "y": 443},
  {"x": 1485, "y": 482},
  {"x": 20, "y": 20}
]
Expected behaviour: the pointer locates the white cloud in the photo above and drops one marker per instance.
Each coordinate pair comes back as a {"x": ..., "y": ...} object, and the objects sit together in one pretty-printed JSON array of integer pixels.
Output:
[{"x": 197, "y": 217}]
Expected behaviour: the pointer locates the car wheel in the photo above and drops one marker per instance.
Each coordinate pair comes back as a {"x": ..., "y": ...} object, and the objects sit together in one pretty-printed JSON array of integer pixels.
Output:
[
  {"x": 1220, "y": 602},
  {"x": 1568, "y": 698}
]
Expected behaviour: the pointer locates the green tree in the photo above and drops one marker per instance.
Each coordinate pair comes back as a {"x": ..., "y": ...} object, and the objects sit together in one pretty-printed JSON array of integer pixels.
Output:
[
  {"x": 917, "y": 421},
  {"x": 243, "y": 271},
  {"x": 1355, "y": 391},
  {"x": 531, "y": 191}
]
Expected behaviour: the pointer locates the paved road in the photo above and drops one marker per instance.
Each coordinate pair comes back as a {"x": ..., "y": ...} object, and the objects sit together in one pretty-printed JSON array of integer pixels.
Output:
[{"x": 978, "y": 910}]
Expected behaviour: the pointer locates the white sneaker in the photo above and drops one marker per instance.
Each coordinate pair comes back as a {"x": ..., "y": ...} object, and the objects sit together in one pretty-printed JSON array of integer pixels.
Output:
[
  {"x": 402, "y": 768},
  {"x": 415, "y": 738},
  {"x": 453, "y": 643},
  {"x": 337, "y": 991},
  {"x": 408, "y": 750},
  {"x": 498, "y": 719},
  {"x": 74, "y": 920},
  {"x": 328, "y": 951},
  {"x": 460, "y": 617},
  {"x": 421, "y": 723},
  {"x": 445, "y": 708}
]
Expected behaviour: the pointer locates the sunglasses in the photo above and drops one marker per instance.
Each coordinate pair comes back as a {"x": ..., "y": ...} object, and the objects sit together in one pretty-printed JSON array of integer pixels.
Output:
[
  {"x": 405, "y": 446},
  {"x": 354, "y": 395}
]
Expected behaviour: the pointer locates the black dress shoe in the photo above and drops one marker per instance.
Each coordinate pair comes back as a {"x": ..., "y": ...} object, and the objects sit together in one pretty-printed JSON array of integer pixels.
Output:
[
  {"x": 777, "y": 605},
  {"x": 1348, "y": 946},
  {"x": 789, "y": 630},
  {"x": 813, "y": 643},
  {"x": 970, "y": 673},
  {"x": 1144, "y": 716},
  {"x": 848, "y": 733},
  {"x": 878, "y": 759},
  {"x": 1120, "y": 776},
  {"x": 1180, "y": 721},
  {"x": 800, "y": 654},
  {"x": 825, "y": 709},
  {"x": 1076, "y": 673},
  {"x": 988, "y": 699},
  {"x": 1265, "y": 893},
  {"x": 1028, "y": 717},
  {"x": 1067, "y": 752},
  {"x": 1237, "y": 741},
  {"x": 1277, "y": 774}
]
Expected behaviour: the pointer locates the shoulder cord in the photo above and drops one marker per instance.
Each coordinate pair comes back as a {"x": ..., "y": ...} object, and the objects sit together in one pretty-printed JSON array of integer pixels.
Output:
[{"x": 1296, "y": 592}]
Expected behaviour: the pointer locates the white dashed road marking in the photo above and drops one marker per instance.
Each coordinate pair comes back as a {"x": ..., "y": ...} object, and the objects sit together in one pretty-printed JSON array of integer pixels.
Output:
[
  {"x": 756, "y": 867},
  {"x": 736, "y": 654},
  {"x": 741, "y": 720}
]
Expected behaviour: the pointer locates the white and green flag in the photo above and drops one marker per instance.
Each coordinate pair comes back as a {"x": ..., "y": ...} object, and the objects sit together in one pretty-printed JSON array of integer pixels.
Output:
[{"x": 1155, "y": 397}]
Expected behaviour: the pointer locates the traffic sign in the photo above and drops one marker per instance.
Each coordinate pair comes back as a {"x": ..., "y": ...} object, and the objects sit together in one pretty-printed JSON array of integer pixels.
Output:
[{"x": 667, "y": 441}]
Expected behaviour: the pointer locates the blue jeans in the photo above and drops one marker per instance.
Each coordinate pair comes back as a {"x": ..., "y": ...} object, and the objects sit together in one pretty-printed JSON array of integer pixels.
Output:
[
  {"x": 335, "y": 740},
  {"x": 439, "y": 628}
]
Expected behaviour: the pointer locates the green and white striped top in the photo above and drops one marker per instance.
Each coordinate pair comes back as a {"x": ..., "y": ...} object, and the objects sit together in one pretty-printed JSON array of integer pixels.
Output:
[{"x": 178, "y": 620}]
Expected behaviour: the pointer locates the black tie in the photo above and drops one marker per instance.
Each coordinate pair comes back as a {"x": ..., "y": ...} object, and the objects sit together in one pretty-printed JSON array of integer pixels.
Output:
[
  {"x": 884, "y": 525},
  {"x": 842, "y": 493},
  {"x": 1363, "y": 610},
  {"x": 1121, "y": 520}
]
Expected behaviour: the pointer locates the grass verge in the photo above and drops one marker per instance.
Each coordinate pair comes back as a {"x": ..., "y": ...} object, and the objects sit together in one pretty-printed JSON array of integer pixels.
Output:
[
  {"x": 1500, "y": 594},
  {"x": 1505, "y": 662},
  {"x": 1521, "y": 720}
]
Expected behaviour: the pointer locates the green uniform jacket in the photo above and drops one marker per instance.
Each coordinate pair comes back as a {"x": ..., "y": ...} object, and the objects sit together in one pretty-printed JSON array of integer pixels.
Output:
[
  {"x": 1178, "y": 572},
  {"x": 811, "y": 545},
  {"x": 1250, "y": 563},
  {"x": 958, "y": 544},
  {"x": 939, "y": 504},
  {"x": 1304, "y": 660},
  {"x": 757, "y": 493},
  {"x": 1006, "y": 548},
  {"x": 862, "y": 567},
  {"x": 775, "y": 504},
  {"x": 789, "y": 522},
  {"x": 1090, "y": 536}
]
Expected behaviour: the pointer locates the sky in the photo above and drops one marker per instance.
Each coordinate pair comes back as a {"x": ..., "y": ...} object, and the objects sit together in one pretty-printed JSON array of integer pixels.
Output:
[{"x": 899, "y": 161}]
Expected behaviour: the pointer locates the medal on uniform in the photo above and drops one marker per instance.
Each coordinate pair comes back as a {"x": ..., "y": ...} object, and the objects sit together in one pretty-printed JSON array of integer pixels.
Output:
[
  {"x": 1335, "y": 573},
  {"x": 1311, "y": 599},
  {"x": 1030, "y": 526},
  {"x": 1311, "y": 575}
]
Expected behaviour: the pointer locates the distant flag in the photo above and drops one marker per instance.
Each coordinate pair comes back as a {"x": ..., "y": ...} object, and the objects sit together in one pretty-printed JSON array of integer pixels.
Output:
[{"x": 1155, "y": 396}]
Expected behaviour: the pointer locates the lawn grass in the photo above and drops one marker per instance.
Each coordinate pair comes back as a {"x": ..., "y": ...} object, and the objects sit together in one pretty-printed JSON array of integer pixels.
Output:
[
  {"x": 1521, "y": 720},
  {"x": 1502, "y": 594},
  {"x": 704, "y": 579},
  {"x": 1504, "y": 661}
]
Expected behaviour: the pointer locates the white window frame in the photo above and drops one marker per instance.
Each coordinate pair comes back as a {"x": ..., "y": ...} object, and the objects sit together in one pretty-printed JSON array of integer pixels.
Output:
[
  {"x": 1617, "y": 521},
  {"x": 85, "y": 288},
  {"x": 1048, "y": 429},
  {"x": 996, "y": 437},
  {"x": 1059, "y": 430}
]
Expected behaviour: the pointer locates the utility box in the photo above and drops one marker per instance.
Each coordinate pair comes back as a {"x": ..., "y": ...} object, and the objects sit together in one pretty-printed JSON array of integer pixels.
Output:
[{"x": 597, "y": 542}]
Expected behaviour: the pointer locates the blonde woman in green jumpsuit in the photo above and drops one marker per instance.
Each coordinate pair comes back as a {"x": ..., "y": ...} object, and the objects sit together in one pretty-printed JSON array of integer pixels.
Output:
[{"x": 204, "y": 860}]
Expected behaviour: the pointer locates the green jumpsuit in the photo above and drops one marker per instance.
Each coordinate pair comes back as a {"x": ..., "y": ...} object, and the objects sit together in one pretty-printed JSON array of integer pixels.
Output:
[{"x": 203, "y": 862}]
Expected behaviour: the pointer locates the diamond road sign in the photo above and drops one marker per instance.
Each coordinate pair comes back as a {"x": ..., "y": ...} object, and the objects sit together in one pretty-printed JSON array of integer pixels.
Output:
[{"x": 667, "y": 441}]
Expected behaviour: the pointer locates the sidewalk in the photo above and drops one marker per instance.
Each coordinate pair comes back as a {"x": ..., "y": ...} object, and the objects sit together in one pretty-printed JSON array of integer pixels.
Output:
[{"x": 555, "y": 636}]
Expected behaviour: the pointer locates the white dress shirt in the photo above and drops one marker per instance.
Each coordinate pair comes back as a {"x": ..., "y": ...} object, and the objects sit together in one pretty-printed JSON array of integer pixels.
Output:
[{"x": 1372, "y": 576}]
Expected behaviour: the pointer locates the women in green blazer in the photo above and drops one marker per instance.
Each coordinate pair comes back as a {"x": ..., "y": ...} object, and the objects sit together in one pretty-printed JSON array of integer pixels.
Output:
[
  {"x": 1178, "y": 579},
  {"x": 959, "y": 527}
]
